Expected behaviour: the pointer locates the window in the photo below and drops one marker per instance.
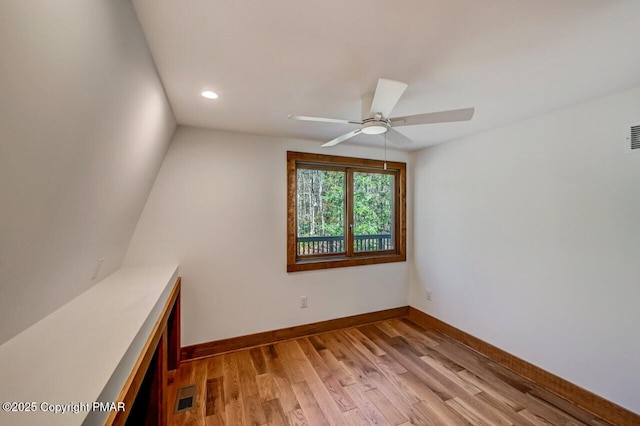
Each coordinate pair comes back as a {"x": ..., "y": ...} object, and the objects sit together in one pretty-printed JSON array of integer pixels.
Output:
[{"x": 344, "y": 211}]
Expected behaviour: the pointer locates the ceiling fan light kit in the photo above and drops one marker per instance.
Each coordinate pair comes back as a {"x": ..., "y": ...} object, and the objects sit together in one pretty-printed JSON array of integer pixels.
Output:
[
  {"x": 377, "y": 121},
  {"x": 371, "y": 126}
]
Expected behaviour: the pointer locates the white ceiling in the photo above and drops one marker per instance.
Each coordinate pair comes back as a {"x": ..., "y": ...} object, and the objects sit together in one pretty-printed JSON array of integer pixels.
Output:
[{"x": 266, "y": 59}]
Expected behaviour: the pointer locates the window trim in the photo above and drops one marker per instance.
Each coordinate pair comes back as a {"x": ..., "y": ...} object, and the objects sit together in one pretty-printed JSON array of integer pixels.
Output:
[{"x": 294, "y": 263}]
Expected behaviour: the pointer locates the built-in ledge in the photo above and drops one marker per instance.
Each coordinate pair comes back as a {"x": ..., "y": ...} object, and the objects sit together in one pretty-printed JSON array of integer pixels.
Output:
[{"x": 90, "y": 348}]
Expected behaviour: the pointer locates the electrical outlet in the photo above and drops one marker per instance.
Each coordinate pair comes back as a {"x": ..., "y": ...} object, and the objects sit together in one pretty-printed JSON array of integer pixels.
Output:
[
  {"x": 304, "y": 301},
  {"x": 428, "y": 294},
  {"x": 97, "y": 270}
]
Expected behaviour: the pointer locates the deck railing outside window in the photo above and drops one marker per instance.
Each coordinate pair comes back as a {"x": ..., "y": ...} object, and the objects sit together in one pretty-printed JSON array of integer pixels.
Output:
[{"x": 335, "y": 244}]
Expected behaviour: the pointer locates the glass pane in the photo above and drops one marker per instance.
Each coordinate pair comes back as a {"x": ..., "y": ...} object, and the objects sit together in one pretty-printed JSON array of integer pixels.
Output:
[
  {"x": 321, "y": 211},
  {"x": 373, "y": 211}
]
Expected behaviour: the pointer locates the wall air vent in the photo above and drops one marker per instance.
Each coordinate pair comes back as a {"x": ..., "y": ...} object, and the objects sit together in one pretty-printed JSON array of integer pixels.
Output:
[{"x": 634, "y": 136}]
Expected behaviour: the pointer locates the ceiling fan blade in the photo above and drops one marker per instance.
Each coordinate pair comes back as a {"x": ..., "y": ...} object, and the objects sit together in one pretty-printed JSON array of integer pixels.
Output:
[
  {"x": 322, "y": 119},
  {"x": 342, "y": 138},
  {"x": 397, "y": 138},
  {"x": 387, "y": 95},
  {"x": 464, "y": 114}
]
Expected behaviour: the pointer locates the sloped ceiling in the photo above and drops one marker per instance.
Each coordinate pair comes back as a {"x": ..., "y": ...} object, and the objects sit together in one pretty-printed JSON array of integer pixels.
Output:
[
  {"x": 509, "y": 59},
  {"x": 84, "y": 126}
]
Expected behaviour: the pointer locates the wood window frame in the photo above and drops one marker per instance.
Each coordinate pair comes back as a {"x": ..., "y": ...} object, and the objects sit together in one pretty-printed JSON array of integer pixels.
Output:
[{"x": 297, "y": 160}]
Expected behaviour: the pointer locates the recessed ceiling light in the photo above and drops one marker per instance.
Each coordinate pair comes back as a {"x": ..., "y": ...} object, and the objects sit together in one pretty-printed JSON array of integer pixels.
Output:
[{"x": 209, "y": 94}]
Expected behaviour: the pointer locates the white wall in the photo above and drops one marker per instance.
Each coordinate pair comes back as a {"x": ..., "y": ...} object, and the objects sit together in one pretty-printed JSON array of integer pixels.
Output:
[
  {"x": 84, "y": 125},
  {"x": 529, "y": 237},
  {"x": 218, "y": 208}
]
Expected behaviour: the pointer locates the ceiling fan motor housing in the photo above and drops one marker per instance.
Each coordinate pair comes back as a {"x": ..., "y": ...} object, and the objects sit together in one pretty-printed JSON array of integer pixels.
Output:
[{"x": 372, "y": 126}]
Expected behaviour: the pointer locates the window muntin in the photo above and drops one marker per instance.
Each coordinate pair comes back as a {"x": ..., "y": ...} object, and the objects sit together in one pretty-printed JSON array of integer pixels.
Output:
[{"x": 344, "y": 211}]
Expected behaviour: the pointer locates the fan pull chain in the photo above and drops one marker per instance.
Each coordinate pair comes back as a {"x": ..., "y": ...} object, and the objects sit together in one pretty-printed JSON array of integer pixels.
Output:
[{"x": 385, "y": 150}]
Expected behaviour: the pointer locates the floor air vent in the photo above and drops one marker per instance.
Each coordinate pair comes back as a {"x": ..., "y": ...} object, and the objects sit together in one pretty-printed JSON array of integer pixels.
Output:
[
  {"x": 186, "y": 398},
  {"x": 634, "y": 136}
]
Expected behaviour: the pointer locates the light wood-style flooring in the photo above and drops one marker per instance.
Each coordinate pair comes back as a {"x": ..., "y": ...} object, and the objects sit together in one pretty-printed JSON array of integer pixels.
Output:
[{"x": 389, "y": 373}]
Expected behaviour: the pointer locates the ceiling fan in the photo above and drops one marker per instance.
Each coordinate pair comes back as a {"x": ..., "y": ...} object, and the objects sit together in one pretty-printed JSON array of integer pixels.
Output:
[{"x": 376, "y": 120}]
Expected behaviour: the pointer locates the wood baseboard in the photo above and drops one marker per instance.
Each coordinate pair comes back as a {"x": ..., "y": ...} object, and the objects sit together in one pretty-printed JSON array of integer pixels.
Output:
[
  {"x": 578, "y": 396},
  {"x": 202, "y": 350}
]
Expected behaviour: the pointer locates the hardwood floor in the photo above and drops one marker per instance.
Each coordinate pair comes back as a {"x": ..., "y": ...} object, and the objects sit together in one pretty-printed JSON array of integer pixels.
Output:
[{"x": 389, "y": 373}]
